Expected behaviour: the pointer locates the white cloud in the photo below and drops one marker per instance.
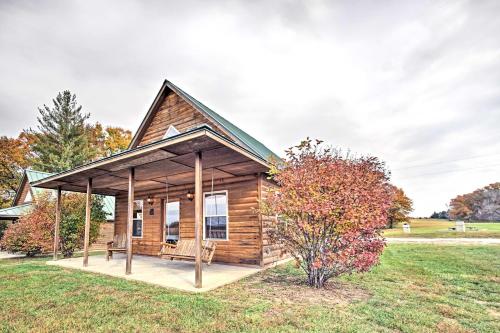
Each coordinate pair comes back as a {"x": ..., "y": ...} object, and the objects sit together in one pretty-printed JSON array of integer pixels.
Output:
[{"x": 415, "y": 83}]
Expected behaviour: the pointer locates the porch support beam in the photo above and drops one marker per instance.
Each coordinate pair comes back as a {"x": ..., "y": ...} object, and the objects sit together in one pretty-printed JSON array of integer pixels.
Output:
[
  {"x": 198, "y": 216},
  {"x": 88, "y": 207},
  {"x": 130, "y": 217},
  {"x": 58, "y": 221}
]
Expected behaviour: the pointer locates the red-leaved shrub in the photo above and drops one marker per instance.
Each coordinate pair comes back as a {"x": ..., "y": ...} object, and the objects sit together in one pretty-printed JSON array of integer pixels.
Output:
[
  {"x": 32, "y": 234},
  {"x": 333, "y": 207}
]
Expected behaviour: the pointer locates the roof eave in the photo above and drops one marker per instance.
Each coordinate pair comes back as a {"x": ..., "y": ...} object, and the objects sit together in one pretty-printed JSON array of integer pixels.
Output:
[
  {"x": 134, "y": 142},
  {"x": 204, "y": 130}
]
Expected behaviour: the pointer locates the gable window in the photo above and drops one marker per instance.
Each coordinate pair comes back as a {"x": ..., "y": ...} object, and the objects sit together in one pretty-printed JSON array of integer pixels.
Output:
[
  {"x": 215, "y": 216},
  {"x": 171, "y": 131},
  {"x": 28, "y": 197},
  {"x": 137, "y": 219}
]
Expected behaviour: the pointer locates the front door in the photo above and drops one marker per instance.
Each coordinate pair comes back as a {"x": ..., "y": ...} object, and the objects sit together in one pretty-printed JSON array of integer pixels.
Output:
[{"x": 172, "y": 222}]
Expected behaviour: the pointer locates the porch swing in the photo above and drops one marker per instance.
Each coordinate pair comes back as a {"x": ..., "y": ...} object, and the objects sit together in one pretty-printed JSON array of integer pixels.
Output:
[{"x": 185, "y": 249}]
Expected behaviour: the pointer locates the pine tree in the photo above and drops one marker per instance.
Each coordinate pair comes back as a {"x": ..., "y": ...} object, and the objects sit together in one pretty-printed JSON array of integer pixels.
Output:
[{"x": 61, "y": 141}]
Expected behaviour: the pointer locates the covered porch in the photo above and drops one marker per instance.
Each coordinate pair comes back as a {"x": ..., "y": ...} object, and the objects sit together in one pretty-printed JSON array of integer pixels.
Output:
[
  {"x": 184, "y": 167},
  {"x": 163, "y": 273}
]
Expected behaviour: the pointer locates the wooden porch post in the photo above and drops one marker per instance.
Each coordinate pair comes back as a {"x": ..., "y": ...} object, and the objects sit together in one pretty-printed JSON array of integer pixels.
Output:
[
  {"x": 58, "y": 222},
  {"x": 88, "y": 207},
  {"x": 198, "y": 216},
  {"x": 130, "y": 221}
]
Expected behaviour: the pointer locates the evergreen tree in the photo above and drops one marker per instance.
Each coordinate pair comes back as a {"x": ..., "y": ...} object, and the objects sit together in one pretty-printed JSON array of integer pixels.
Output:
[{"x": 61, "y": 141}]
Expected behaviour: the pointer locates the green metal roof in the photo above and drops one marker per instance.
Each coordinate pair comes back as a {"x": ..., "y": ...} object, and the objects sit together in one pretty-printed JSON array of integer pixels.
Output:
[
  {"x": 16, "y": 211},
  {"x": 250, "y": 142},
  {"x": 34, "y": 175}
]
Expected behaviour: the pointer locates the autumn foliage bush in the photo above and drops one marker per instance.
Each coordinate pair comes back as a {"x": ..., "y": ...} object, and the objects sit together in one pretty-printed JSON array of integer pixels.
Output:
[
  {"x": 34, "y": 232},
  {"x": 3, "y": 226},
  {"x": 333, "y": 207}
]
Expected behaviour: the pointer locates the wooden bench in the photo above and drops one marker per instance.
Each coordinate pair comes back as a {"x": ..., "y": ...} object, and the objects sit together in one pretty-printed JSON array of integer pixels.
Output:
[
  {"x": 186, "y": 249},
  {"x": 118, "y": 244}
]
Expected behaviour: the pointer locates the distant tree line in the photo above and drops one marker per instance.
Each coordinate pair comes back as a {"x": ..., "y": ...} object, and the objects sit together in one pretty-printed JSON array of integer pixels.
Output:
[
  {"x": 482, "y": 204},
  {"x": 440, "y": 215}
]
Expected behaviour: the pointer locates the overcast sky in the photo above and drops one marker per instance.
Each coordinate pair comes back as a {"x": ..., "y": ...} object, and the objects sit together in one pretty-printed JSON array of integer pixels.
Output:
[{"x": 416, "y": 83}]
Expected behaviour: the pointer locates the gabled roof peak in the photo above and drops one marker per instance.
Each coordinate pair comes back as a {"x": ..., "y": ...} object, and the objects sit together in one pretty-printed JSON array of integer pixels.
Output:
[
  {"x": 35, "y": 175},
  {"x": 238, "y": 135}
]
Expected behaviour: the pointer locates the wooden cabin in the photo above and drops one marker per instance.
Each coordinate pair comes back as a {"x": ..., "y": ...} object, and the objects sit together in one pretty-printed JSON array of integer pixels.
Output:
[{"x": 188, "y": 174}]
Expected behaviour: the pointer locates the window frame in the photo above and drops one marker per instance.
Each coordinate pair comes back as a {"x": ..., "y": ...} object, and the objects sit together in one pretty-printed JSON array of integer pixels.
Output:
[
  {"x": 142, "y": 221},
  {"x": 227, "y": 215},
  {"x": 166, "y": 217}
]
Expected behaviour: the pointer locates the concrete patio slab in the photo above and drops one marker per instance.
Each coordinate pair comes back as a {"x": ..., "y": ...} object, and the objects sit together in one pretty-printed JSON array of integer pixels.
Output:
[{"x": 160, "y": 272}]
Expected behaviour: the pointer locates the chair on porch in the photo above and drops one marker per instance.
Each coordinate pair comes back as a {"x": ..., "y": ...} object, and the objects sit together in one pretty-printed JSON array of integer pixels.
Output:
[
  {"x": 186, "y": 249},
  {"x": 118, "y": 244}
]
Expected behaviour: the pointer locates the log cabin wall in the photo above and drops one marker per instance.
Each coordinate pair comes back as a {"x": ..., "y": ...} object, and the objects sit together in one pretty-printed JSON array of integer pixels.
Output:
[
  {"x": 177, "y": 112},
  {"x": 244, "y": 229},
  {"x": 271, "y": 252},
  {"x": 106, "y": 232}
]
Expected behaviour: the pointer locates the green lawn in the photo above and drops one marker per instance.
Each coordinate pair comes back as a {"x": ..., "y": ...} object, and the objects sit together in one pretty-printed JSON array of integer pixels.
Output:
[
  {"x": 433, "y": 228},
  {"x": 417, "y": 288}
]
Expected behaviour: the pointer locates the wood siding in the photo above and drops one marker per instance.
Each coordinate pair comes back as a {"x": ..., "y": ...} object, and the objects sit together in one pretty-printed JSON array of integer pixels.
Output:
[
  {"x": 24, "y": 192},
  {"x": 106, "y": 233},
  {"x": 177, "y": 112},
  {"x": 244, "y": 243},
  {"x": 271, "y": 252}
]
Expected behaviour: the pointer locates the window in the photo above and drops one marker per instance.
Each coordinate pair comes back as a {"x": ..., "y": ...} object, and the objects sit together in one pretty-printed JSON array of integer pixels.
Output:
[
  {"x": 215, "y": 221},
  {"x": 172, "y": 219},
  {"x": 171, "y": 131},
  {"x": 137, "y": 218},
  {"x": 28, "y": 197}
]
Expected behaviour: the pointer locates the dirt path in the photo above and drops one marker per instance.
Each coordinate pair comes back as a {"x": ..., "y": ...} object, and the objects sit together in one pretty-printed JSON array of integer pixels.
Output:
[{"x": 472, "y": 241}]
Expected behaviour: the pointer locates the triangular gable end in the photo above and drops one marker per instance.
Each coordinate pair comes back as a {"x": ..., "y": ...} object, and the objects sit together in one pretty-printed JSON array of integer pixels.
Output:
[
  {"x": 173, "y": 106},
  {"x": 171, "y": 113},
  {"x": 22, "y": 191},
  {"x": 26, "y": 193}
]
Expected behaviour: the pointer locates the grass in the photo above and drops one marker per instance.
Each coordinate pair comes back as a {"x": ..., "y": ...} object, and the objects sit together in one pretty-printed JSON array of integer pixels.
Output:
[
  {"x": 416, "y": 288},
  {"x": 434, "y": 228}
]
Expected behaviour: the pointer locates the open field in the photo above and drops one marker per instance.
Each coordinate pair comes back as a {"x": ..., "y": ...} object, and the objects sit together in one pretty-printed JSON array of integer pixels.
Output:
[
  {"x": 434, "y": 228},
  {"x": 416, "y": 288}
]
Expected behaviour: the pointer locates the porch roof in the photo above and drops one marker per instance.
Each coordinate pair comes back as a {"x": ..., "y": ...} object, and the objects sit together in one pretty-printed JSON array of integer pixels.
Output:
[{"x": 170, "y": 159}]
